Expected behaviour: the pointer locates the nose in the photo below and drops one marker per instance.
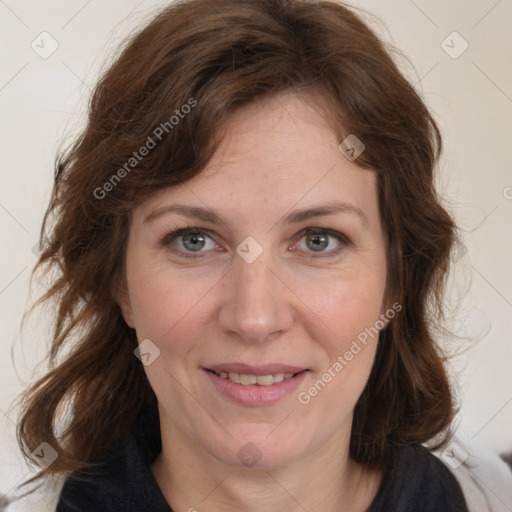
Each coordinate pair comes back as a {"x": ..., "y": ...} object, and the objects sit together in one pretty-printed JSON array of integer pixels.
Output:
[{"x": 256, "y": 304}]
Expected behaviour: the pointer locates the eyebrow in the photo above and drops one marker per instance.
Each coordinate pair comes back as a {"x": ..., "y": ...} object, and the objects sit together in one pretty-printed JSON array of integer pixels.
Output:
[{"x": 294, "y": 217}]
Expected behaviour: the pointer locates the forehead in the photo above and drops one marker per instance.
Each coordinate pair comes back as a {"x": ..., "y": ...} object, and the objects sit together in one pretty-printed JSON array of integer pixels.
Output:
[
  {"x": 278, "y": 131},
  {"x": 274, "y": 154}
]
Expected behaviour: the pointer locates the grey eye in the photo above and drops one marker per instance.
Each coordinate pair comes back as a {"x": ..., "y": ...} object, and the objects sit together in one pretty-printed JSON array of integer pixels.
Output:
[
  {"x": 193, "y": 241},
  {"x": 323, "y": 242},
  {"x": 317, "y": 242}
]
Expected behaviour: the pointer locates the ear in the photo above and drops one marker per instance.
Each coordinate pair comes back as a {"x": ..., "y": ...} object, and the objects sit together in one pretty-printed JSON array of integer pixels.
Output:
[{"x": 122, "y": 297}]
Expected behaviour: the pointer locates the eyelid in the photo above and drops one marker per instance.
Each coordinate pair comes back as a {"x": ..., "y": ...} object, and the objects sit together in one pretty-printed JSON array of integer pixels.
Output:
[
  {"x": 331, "y": 232},
  {"x": 166, "y": 240},
  {"x": 175, "y": 233},
  {"x": 342, "y": 239}
]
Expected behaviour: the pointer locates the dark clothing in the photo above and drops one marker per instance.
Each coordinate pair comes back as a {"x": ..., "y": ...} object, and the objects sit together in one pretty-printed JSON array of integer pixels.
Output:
[{"x": 415, "y": 480}]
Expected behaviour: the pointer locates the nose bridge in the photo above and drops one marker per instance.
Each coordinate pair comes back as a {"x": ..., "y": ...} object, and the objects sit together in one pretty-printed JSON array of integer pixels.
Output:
[{"x": 255, "y": 304}]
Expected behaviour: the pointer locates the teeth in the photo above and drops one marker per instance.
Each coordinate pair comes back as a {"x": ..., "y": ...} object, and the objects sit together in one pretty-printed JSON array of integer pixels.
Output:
[
  {"x": 248, "y": 380},
  {"x": 234, "y": 377}
]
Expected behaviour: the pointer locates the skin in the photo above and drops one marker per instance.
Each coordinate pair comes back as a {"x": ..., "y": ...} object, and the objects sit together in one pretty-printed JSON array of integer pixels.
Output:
[{"x": 292, "y": 305}]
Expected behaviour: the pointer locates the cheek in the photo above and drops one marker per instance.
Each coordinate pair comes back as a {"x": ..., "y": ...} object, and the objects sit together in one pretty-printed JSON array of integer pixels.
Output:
[
  {"x": 164, "y": 302},
  {"x": 169, "y": 312},
  {"x": 348, "y": 306},
  {"x": 349, "y": 309},
  {"x": 347, "y": 337}
]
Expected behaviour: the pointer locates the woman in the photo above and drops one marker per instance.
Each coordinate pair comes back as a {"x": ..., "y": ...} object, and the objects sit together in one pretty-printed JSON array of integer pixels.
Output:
[{"x": 250, "y": 259}]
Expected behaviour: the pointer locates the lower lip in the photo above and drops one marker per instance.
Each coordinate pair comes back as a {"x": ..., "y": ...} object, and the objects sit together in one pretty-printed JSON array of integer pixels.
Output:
[{"x": 254, "y": 394}]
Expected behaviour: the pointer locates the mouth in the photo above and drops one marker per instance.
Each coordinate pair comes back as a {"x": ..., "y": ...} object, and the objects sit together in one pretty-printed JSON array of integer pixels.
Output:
[
  {"x": 255, "y": 385},
  {"x": 248, "y": 379}
]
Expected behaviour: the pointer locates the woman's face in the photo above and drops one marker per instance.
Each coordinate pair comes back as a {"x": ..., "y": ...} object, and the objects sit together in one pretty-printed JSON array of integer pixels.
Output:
[{"x": 279, "y": 268}]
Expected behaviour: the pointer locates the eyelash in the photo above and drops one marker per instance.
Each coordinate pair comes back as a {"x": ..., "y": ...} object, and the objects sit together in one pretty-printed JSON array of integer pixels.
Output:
[{"x": 167, "y": 239}]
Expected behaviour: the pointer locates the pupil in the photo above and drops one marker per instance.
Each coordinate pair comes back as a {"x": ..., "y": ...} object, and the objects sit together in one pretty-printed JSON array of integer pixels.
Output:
[
  {"x": 190, "y": 241},
  {"x": 319, "y": 242}
]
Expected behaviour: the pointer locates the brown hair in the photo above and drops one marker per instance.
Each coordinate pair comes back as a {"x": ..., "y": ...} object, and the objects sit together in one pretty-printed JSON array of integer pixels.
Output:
[{"x": 216, "y": 56}]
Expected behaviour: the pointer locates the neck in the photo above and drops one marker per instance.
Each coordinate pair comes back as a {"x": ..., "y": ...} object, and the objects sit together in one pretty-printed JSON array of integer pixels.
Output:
[{"x": 193, "y": 480}]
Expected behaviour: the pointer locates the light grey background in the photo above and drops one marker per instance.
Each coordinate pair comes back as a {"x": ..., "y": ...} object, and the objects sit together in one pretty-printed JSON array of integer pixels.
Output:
[{"x": 43, "y": 100}]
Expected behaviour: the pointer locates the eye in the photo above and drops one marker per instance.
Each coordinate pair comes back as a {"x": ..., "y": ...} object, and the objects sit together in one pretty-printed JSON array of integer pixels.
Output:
[
  {"x": 188, "y": 240},
  {"x": 323, "y": 241},
  {"x": 193, "y": 242}
]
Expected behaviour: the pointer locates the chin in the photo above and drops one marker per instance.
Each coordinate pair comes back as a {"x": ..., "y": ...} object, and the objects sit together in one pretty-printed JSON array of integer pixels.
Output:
[{"x": 262, "y": 449}]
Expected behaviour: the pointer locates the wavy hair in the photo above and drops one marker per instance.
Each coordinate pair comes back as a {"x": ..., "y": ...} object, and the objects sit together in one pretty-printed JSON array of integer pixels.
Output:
[{"x": 216, "y": 56}]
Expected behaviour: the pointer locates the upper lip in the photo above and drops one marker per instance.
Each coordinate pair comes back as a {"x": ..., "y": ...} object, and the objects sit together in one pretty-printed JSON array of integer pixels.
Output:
[{"x": 264, "y": 369}]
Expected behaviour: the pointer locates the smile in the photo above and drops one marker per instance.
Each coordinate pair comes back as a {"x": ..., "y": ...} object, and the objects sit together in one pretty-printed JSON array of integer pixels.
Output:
[
  {"x": 260, "y": 380},
  {"x": 249, "y": 389}
]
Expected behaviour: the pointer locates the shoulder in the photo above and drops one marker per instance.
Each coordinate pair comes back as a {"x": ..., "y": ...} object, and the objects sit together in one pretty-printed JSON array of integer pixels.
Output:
[
  {"x": 121, "y": 480},
  {"x": 485, "y": 479},
  {"x": 415, "y": 479}
]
